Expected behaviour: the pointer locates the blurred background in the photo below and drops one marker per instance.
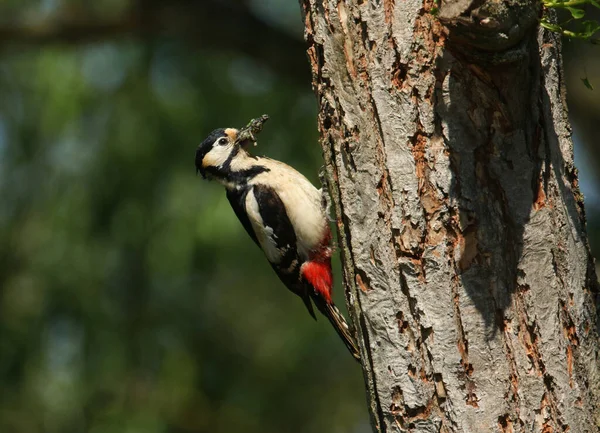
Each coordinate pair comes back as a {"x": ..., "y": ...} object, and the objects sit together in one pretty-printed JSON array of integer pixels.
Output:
[{"x": 131, "y": 299}]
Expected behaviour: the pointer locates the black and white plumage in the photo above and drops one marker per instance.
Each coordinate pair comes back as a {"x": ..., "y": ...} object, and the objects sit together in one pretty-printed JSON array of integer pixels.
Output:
[{"x": 284, "y": 215}]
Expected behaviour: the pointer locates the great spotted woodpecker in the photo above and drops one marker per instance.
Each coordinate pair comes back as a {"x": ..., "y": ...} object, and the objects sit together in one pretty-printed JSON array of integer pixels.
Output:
[{"x": 284, "y": 215}]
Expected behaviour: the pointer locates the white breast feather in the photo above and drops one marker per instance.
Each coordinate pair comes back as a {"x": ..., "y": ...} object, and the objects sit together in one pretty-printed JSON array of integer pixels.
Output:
[
  {"x": 302, "y": 202},
  {"x": 264, "y": 234}
]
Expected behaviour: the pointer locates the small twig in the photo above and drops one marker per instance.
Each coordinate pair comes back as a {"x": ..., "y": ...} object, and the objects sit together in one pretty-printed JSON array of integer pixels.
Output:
[{"x": 253, "y": 128}]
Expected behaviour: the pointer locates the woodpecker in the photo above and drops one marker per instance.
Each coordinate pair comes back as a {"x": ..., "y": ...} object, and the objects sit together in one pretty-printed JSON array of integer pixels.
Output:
[{"x": 285, "y": 216}]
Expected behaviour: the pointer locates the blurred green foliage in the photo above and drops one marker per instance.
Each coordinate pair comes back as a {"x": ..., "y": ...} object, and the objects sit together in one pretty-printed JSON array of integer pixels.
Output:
[{"x": 131, "y": 299}]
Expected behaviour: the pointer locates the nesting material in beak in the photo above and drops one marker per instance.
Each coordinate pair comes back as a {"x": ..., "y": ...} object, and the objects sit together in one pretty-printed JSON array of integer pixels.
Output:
[{"x": 248, "y": 134}]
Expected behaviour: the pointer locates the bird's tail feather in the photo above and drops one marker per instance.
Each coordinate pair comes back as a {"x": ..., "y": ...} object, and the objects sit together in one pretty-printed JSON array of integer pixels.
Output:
[{"x": 339, "y": 323}]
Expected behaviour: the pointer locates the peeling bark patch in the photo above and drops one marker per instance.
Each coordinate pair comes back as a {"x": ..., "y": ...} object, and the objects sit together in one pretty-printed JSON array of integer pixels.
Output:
[
  {"x": 399, "y": 74},
  {"x": 397, "y": 399},
  {"x": 570, "y": 364},
  {"x": 529, "y": 338},
  {"x": 348, "y": 44},
  {"x": 440, "y": 389},
  {"x": 468, "y": 385},
  {"x": 573, "y": 179},
  {"x": 405, "y": 329},
  {"x": 402, "y": 324},
  {"x": 529, "y": 335},
  {"x": 568, "y": 326},
  {"x": 313, "y": 59},
  {"x": 361, "y": 284},
  {"x": 548, "y": 416},
  {"x": 433, "y": 35},
  {"x": 505, "y": 424},
  {"x": 570, "y": 334},
  {"x": 388, "y": 7},
  {"x": 385, "y": 194},
  {"x": 512, "y": 394},
  {"x": 468, "y": 248},
  {"x": 408, "y": 417},
  {"x": 540, "y": 196},
  {"x": 431, "y": 204}
]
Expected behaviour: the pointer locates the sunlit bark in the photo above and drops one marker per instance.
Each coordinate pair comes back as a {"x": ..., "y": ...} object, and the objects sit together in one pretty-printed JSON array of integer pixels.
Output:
[{"x": 450, "y": 163}]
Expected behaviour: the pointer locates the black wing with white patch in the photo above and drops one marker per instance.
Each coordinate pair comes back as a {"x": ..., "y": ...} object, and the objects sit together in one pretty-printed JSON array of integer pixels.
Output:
[
  {"x": 275, "y": 219},
  {"x": 237, "y": 200},
  {"x": 281, "y": 235}
]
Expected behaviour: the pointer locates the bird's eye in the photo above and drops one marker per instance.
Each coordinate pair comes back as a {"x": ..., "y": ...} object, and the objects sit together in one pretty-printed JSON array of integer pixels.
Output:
[{"x": 222, "y": 141}]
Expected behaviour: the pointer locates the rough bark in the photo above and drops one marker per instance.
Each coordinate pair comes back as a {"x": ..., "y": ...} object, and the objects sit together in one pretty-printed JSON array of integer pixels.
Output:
[{"x": 466, "y": 264}]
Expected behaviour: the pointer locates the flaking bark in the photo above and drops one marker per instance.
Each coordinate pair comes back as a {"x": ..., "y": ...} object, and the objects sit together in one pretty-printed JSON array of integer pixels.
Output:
[{"x": 449, "y": 159}]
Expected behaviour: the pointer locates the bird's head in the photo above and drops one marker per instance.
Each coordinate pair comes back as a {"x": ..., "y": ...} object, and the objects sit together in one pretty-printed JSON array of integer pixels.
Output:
[{"x": 218, "y": 152}]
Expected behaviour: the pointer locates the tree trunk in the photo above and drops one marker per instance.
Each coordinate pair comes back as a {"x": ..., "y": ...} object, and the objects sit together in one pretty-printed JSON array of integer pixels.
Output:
[{"x": 462, "y": 229}]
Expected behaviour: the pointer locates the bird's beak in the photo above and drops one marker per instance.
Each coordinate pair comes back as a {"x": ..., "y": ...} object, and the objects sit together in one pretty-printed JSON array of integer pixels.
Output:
[{"x": 233, "y": 135}]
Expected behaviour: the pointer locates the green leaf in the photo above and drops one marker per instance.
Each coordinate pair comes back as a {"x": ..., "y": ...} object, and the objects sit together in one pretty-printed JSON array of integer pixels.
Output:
[
  {"x": 589, "y": 28},
  {"x": 551, "y": 26},
  {"x": 576, "y": 13},
  {"x": 595, "y": 3},
  {"x": 586, "y": 83}
]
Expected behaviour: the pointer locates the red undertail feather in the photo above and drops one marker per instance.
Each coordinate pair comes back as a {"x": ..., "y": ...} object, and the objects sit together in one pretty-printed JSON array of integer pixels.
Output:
[
  {"x": 318, "y": 275},
  {"x": 317, "y": 270}
]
